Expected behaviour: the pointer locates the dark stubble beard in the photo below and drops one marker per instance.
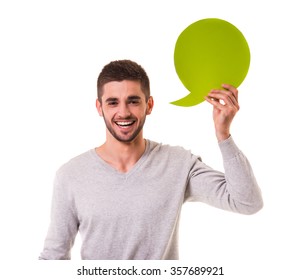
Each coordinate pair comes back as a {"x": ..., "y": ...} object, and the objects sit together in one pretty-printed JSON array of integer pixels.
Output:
[{"x": 121, "y": 139}]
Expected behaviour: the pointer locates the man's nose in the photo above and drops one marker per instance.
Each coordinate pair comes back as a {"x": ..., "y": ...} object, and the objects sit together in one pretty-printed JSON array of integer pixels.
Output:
[{"x": 124, "y": 111}]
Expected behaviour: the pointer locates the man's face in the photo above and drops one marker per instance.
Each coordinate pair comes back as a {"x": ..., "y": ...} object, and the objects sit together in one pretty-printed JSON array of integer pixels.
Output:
[{"x": 124, "y": 109}]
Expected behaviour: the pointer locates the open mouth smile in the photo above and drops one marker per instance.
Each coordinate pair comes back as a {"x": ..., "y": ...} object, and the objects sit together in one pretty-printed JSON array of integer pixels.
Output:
[{"x": 124, "y": 123}]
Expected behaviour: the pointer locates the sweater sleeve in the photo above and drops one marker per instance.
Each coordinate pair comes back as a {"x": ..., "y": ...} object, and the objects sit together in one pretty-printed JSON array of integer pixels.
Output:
[
  {"x": 63, "y": 225},
  {"x": 235, "y": 190}
]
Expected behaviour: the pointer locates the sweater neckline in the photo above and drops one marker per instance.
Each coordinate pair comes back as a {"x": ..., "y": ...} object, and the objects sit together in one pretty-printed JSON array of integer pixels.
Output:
[{"x": 111, "y": 169}]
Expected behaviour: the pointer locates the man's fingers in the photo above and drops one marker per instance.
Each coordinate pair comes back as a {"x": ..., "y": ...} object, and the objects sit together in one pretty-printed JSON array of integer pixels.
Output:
[
  {"x": 232, "y": 89},
  {"x": 215, "y": 102},
  {"x": 226, "y": 96}
]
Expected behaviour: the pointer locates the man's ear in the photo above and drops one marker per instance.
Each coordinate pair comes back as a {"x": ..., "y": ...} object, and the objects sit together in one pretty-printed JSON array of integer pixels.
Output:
[
  {"x": 150, "y": 105},
  {"x": 99, "y": 107}
]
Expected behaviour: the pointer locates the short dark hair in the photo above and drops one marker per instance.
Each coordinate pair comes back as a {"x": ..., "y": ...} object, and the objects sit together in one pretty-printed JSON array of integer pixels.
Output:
[{"x": 120, "y": 70}]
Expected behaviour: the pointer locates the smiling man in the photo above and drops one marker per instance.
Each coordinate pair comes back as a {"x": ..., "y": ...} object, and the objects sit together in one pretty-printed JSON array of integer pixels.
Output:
[
  {"x": 125, "y": 196},
  {"x": 124, "y": 107}
]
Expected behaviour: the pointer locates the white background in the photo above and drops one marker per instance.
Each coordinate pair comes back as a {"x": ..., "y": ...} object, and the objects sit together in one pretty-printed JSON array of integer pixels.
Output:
[{"x": 51, "y": 55}]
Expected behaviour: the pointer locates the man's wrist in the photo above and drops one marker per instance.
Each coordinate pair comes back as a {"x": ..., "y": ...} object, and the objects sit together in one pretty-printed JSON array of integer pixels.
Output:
[{"x": 223, "y": 136}]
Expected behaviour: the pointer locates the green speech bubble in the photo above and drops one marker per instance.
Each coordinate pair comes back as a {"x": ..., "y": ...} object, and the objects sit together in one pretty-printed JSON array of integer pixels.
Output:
[{"x": 208, "y": 53}]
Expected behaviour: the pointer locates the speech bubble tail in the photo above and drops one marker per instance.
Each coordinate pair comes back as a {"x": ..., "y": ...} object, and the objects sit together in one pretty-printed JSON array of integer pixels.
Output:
[{"x": 189, "y": 100}]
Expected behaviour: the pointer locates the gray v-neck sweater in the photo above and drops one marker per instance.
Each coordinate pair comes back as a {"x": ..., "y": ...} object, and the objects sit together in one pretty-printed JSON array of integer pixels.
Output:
[{"x": 135, "y": 215}]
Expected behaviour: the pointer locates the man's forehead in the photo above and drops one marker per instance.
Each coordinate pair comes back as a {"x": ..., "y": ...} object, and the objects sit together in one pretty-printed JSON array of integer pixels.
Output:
[
  {"x": 123, "y": 83},
  {"x": 123, "y": 89}
]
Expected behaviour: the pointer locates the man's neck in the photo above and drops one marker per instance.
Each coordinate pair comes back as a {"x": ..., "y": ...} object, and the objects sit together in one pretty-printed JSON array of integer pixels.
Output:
[{"x": 122, "y": 155}]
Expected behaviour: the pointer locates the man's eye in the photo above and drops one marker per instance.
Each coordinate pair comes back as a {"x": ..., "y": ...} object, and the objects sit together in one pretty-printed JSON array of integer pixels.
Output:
[
  {"x": 134, "y": 102},
  {"x": 112, "y": 103}
]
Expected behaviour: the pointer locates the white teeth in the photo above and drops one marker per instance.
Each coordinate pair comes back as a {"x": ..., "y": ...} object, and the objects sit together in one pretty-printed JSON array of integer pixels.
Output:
[{"x": 125, "y": 123}]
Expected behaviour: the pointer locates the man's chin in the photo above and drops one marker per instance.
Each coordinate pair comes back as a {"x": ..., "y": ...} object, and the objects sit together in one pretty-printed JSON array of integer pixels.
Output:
[{"x": 125, "y": 138}]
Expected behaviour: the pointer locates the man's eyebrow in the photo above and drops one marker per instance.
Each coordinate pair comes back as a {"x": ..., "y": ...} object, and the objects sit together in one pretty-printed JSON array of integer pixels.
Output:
[
  {"x": 111, "y": 99},
  {"x": 134, "y": 97}
]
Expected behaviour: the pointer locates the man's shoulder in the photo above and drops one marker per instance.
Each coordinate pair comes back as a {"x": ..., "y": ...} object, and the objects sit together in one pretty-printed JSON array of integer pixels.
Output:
[
  {"x": 77, "y": 163},
  {"x": 171, "y": 158},
  {"x": 168, "y": 149}
]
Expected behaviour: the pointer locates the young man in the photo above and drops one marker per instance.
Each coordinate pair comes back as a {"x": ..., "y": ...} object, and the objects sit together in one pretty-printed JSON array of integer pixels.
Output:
[{"x": 125, "y": 196}]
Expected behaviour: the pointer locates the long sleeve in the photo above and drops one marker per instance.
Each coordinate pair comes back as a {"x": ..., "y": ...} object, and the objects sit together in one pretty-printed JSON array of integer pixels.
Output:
[
  {"x": 235, "y": 190},
  {"x": 63, "y": 225}
]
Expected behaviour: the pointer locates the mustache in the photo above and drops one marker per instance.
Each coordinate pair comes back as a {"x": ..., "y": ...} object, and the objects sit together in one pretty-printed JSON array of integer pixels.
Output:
[{"x": 129, "y": 118}]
